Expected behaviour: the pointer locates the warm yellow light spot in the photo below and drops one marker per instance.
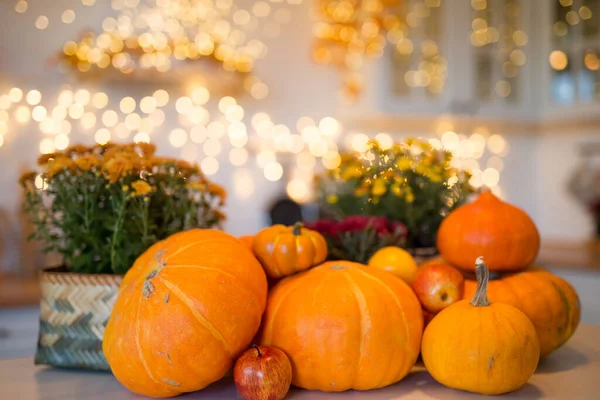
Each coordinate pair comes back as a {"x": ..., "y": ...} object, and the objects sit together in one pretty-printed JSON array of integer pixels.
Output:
[
  {"x": 503, "y": 88},
  {"x": 100, "y": 100},
  {"x": 585, "y": 12},
  {"x": 38, "y": 114},
  {"x": 47, "y": 146},
  {"x": 200, "y": 96},
  {"x": 82, "y": 97},
  {"x": 360, "y": 142},
  {"x": 42, "y": 22},
  {"x": 141, "y": 137},
  {"x": 591, "y": 61},
  {"x": 302, "y": 123},
  {"x": 88, "y": 120},
  {"x": 273, "y": 171},
  {"x": 329, "y": 126},
  {"x": 209, "y": 165},
  {"x": 68, "y": 16},
  {"x": 261, "y": 9},
  {"x": 162, "y": 97},
  {"x": 518, "y": 57},
  {"x": 15, "y": 95},
  {"x": 566, "y": 3},
  {"x": 234, "y": 113},
  {"x": 558, "y": 60},
  {"x": 331, "y": 160},
  {"x": 225, "y": 103},
  {"x": 385, "y": 140},
  {"x": 572, "y": 18},
  {"x": 61, "y": 141},
  {"x": 259, "y": 91},
  {"x": 450, "y": 140},
  {"x": 133, "y": 121},
  {"x": 102, "y": 136},
  {"x": 216, "y": 129},
  {"x": 110, "y": 118},
  {"x": 157, "y": 117},
  {"x": 496, "y": 144},
  {"x": 127, "y": 105},
  {"x": 76, "y": 111},
  {"x": 22, "y": 114},
  {"x": 297, "y": 189},
  {"x": 21, "y": 6},
  {"x": 33, "y": 97},
  {"x": 560, "y": 28},
  {"x": 184, "y": 105},
  {"x": 5, "y": 102},
  {"x": 178, "y": 137}
]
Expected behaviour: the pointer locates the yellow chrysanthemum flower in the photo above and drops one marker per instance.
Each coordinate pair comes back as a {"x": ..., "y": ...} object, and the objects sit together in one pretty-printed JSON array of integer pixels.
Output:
[
  {"x": 379, "y": 187},
  {"x": 141, "y": 188},
  {"x": 332, "y": 199},
  {"x": 87, "y": 162},
  {"x": 404, "y": 163}
]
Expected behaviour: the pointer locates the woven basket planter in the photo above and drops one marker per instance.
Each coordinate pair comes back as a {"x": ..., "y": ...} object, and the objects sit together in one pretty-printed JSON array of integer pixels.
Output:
[{"x": 74, "y": 312}]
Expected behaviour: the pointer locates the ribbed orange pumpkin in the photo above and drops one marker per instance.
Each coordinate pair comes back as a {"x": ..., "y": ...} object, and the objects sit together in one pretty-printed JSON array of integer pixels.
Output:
[
  {"x": 188, "y": 306},
  {"x": 483, "y": 347},
  {"x": 344, "y": 326},
  {"x": 549, "y": 301},
  {"x": 503, "y": 234},
  {"x": 285, "y": 250}
]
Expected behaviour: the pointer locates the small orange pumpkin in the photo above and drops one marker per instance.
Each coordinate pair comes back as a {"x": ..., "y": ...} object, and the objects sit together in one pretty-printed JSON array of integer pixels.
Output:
[
  {"x": 503, "y": 234},
  {"x": 549, "y": 301},
  {"x": 247, "y": 240},
  {"x": 344, "y": 326},
  {"x": 481, "y": 347},
  {"x": 284, "y": 250},
  {"x": 189, "y": 305}
]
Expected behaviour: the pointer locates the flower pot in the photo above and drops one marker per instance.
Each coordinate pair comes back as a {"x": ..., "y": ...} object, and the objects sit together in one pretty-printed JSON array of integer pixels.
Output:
[{"x": 74, "y": 312}]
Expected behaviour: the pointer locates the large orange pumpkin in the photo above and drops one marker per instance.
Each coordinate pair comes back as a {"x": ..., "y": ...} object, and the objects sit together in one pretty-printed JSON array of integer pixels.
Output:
[
  {"x": 549, "y": 301},
  {"x": 285, "y": 250},
  {"x": 502, "y": 233},
  {"x": 188, "y": 306},
  {"x": 481, "y": 346},
  {"x": 344, "y": 326}
]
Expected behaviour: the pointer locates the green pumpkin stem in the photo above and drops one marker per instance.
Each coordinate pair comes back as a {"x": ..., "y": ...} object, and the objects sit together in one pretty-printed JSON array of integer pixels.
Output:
[
  {"x": 483, "y": 276},
  {"x": 297, "y": 229}
]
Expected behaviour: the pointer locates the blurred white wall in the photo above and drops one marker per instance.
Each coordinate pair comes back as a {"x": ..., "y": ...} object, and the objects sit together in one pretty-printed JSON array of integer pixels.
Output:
[{"x": 534, "y": 177}]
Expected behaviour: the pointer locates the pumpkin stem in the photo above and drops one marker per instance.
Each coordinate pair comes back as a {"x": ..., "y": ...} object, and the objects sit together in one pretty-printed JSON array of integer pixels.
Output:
[
  {"x": 257, "y": 350},
  {"x": 297, "y": 229},
  {"x": 483, "y": 276}
]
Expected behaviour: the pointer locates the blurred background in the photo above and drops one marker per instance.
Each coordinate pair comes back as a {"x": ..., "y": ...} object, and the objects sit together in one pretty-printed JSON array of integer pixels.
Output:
[{"x": 264, "y": 93}]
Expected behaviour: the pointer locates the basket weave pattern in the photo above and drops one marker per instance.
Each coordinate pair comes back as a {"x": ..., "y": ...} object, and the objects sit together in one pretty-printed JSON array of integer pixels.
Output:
[{"x": 73, "y": 315}]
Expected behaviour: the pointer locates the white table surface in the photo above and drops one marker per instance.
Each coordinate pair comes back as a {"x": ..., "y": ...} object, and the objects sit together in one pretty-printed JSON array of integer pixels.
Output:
[{"x": 570, "y": 373}]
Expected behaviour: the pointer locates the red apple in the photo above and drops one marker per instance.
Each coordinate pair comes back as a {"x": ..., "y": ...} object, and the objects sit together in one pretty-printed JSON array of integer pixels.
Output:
[
  {"x": 438, "y": 286},
  {"x": 263, "y": 373},
  {"x": 427, "y": 317}
]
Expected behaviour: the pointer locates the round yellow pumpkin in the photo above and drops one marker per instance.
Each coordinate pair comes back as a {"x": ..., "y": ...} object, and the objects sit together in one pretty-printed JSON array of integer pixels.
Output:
[
  {"x": 481, "y": 346},
  {"x": 186, "y": 309},
  {"x": 344, "y": 326}
]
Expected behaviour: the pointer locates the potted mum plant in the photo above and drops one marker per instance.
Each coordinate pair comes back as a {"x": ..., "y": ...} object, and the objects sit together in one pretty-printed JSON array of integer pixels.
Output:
[
  {"x": 99, "y": 208},
  {"x": 409, "y": 185}
]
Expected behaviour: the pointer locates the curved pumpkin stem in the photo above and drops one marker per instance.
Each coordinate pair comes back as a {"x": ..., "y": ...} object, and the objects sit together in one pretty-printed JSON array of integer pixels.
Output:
[
  {"x": 480, "y": 298},
  {"x": 257, "y": 350},
  {"x": 297, "y": 229}
]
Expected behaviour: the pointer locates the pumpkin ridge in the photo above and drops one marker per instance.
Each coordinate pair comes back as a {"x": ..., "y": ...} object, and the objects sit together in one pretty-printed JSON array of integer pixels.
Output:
[
  {"x": 276, "y": 309},
  {"x": 395, "y": 298},
  {"x": 138, "y": 345},
  {"x": 515, "y": 331},
  {"x": 565, "y": 301},
  {"x": 241, "y": 285},
  {"x": 199, "y": 317},
  {"x": 317, "y": 288},
  {"x": 365, "y": 320},
  {"x": 275, "y": 266}
]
